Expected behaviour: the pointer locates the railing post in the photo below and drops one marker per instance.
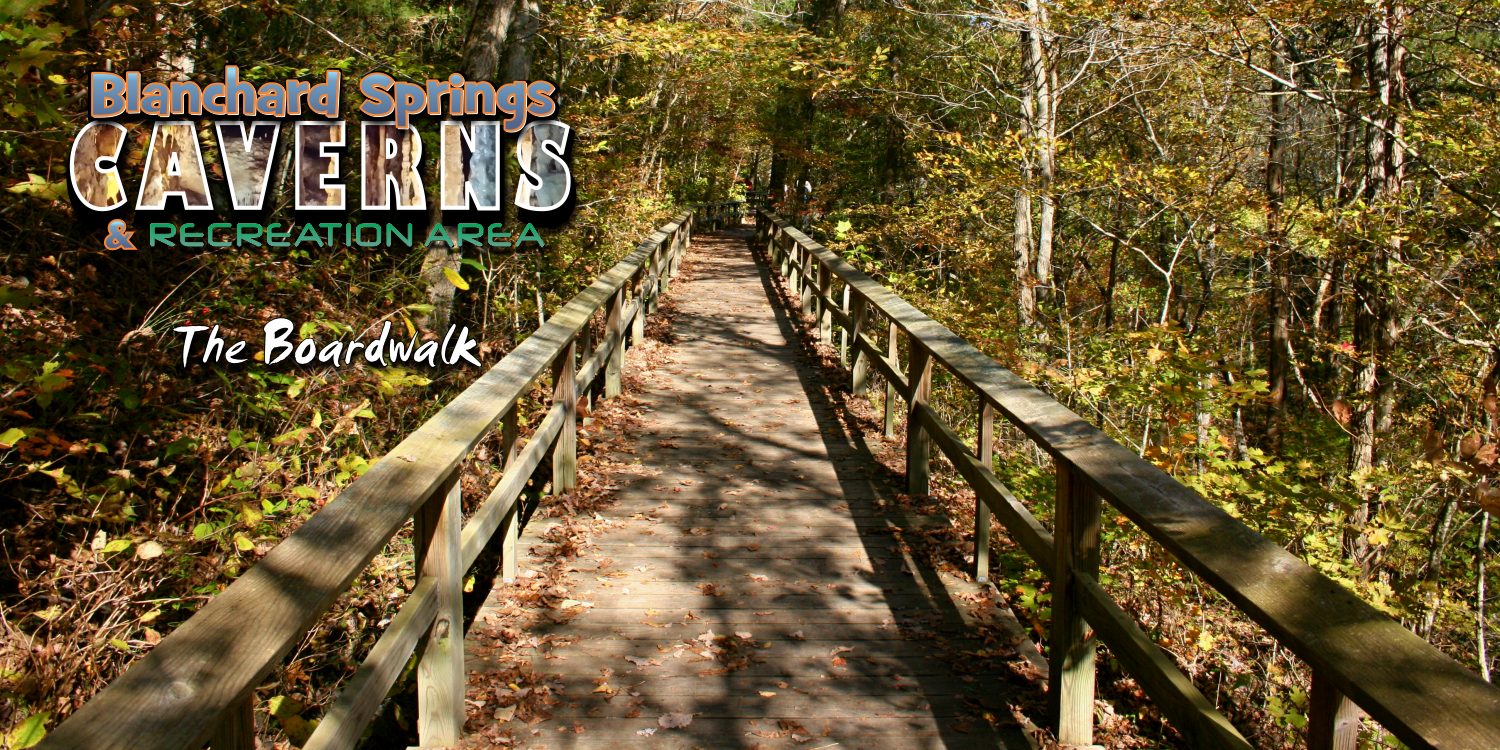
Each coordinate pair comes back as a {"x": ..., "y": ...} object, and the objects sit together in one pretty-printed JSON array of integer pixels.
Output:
[
  {"x": 805, "y": 281},
  {"x": 638, "y": 324},
  {"x": 890, "y": 388},
  {"x": 615, "y": 364},
  {"x": 655, "y": 283},
  {"x": 510, "y": 526},
  {"x": 844, "y": 333},
  {"x": 859, "y": 372},
  {"x": 236, "y": 730},
  {"x": 825, "y": 316},
  {"x": 565, "y": 450},
  {"x": 784, "y": 257},
  {"x": 985, "y": 451},
  {"x": 1072, "y": 648},
  {"x": 440, "y": 673},
  {"x": 1333, "y": 719},
  {"x": 585, "y": 349},
  {"x": 918, "y": 443}
]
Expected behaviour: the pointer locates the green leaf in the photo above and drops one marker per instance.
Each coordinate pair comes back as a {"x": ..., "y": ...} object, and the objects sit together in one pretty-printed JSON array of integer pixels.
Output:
[
  {"x": 305, "y": 492},
  {"x": 202, "y": 530},
  {"x": 309, "y": 328},
  {"x": 243, "y": 543},
  {"x": 37, "y": 186},
  {"x": 290, "y": 436},
  {"x": 118, "y": 545},
  {"x": 476, "y": 264},
  {"x": 29, "y": 732},
  {"x": 10, "y": 437},
  {"x": 130, "y": 399},
  {"x": 296, "y": 387},
  {"x": 119, "y": 644},
  {"x": 365, "y": 413},
  {"x": 455, "y": 278},
  {"x": 236, "y": 438},
  {"x": 182, "y": 445}
]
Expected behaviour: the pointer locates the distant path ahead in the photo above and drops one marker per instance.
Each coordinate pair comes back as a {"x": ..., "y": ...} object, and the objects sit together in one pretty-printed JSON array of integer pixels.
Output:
[{"x": 749, "y": 577}]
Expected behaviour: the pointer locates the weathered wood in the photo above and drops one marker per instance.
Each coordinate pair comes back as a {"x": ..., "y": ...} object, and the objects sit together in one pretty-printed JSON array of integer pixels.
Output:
[
  {"x": 1332, "y": 719},
  {"x": 1190, "y": 712},
  {"x": 918, "y": 464},
  {"x": 501, "y": 502},
  {"x": 236, "y": 730},
  {"x": 1371, "y": 657},
  {"x": 1070, "y": 647},
  {"x": 859, "y": 379},
  {"x": 1018, "y": 521},
  {"x": 825, "y": 305},
  {"x": 984, "y": 450},
  {"x": 614, "y": 332},
  {"x": 890, "y": 383},
  {"x": 345, "y": 721},
  {"x": 844, "y": 332},
  {"x": 440, "y": 671},
  {"x": 565, "y": 448},
  {"x": 172, "y": 697}
]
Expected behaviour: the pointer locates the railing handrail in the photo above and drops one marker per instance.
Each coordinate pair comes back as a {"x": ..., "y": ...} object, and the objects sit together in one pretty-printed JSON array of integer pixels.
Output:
[
  {"x": 1424, "y": 697},
  {"x": 196, "y": 686}
]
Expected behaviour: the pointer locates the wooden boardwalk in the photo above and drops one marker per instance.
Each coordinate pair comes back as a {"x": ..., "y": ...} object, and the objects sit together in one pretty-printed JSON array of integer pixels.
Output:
[{"x": 748, "y": 578}]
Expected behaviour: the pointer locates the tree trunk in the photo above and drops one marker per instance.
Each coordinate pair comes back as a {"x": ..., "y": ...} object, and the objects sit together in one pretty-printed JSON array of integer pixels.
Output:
[
  {"x": 1375, "y": 305},
  {"x": 1277, "y": 353}
]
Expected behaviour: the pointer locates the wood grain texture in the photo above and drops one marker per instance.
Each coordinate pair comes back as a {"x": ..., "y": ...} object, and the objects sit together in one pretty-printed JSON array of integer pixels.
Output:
[
  {"x": 440, "y": 668},
  {"x": 1422, "y": 696},
  {"x": 795, "y": 536},
  {"x": 172, "y": 697},
  {"x": 345, "y": 720},
  {"x": 1190, "y": 712}
]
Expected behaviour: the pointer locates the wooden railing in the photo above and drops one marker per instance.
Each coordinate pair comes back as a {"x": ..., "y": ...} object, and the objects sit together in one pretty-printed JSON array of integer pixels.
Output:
[
  {"x": 1358, "y": 656},
  {"x": 197, "y": 686}
]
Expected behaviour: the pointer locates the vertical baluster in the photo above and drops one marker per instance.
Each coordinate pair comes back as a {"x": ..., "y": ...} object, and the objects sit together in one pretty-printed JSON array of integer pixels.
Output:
[
  {"x": 586, "y": 350},
  {"x": 890, "y": 388},
  {"x": 918, "y": 442},
  {"x": 236, "y": 730},
  {"x": 859, "y": 373},
  {"x": 652, "y": 284},
  {"x": 565, "y": 450},
  {"x": 638, "y": 324},
  {"x": 985, "y": 450},
  {"x": 440, "y": 673},
  {"x": 1333, "y": 719},
  {"x": 615, "y": 364},
  {"x": 510, "y": 526},
  {"x": 825, "y": 316},
  {"x": 844, "y": 333},
  {"x": 1070, "y": 653},
  {"x": 805, "y": 280}
]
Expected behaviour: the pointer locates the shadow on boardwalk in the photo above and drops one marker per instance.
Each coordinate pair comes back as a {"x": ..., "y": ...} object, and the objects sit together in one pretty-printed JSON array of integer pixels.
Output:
[{"x": 751, "y": 576}]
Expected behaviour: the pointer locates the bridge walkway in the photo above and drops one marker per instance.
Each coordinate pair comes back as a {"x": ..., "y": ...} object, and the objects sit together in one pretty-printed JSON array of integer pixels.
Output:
[{"x": 748, "y": 580}]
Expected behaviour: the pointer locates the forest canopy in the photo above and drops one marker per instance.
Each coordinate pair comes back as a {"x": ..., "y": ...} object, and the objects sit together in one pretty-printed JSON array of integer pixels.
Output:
[{"x": 1255, "y": 243}]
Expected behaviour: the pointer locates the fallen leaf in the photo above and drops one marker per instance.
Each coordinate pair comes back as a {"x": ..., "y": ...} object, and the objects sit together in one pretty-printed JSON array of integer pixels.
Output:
[
  {"x": 840, "y": 650},
  {"x": 674, "y": 720},
  {"x": 766, "y": 693},
  {"x": 505, "y": 714},
  {"x": 647, "y": 732},
  {"x": 149, "y": 550},
  {"x": 744, "y": 636}
]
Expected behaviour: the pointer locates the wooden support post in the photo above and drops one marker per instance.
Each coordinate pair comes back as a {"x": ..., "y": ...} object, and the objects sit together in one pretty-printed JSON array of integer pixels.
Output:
[
  {"x": 510, "y": 526},
  {"x": 806, "y": 283},
  {"x": 1332, "y": 719},
  {"x": 638, "y": 325},
  {"x": 985, "y": 451},
  {"x": 859, "y": 372},
  {"x": 613, "y": 331},
  {"x": 784, "y": 256},
  {"x": 825, "y": 316},
  {"x": 918, "y": 442},
  {"x": 1071, "y": 648},
  {"x": 440, "y": 673},
  {"x": 844, "y": 333},
  {"x": 890, "y": 388},
  {"x": 565, "y": 450},
  {"x": 236, "y": 730},
  {"x": 655, "y": 286},
  {"x": 586, "y": 350}
]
